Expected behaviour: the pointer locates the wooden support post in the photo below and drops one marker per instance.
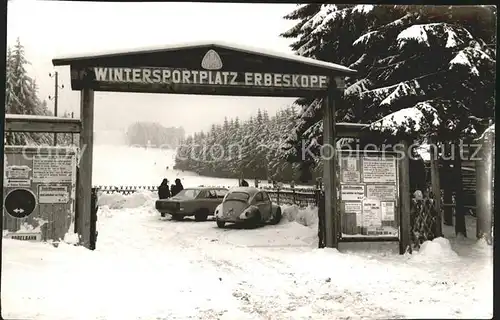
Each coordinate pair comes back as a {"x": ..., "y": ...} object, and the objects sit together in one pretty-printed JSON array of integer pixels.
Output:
[
  {"x": 84, "y": 184},
  {"x": 436, "y": 188},
  {"x": 484, "y": 190},
  {"x": 447, "y": 187},
  {"x": 329, "y": 177},
  {"x": 404, "y": 194},
  {"x": 460, "y": 227}
]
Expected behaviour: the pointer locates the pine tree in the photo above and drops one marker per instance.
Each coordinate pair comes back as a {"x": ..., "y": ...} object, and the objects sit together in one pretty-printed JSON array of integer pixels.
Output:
[
  {"x": 22, "y": 95},
  {"x": 250, "y": 148},
  {"x": 398, "y": 68}
]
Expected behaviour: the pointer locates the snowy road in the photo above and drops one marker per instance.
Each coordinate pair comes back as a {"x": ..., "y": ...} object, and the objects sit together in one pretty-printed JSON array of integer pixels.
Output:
[{"x": 148, "y": 268}]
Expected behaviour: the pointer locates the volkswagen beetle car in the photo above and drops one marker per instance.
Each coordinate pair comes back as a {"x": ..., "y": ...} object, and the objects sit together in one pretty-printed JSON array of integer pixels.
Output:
[
  {"x": 200, "y": 202},
  {"x": 247, "y": 205}
]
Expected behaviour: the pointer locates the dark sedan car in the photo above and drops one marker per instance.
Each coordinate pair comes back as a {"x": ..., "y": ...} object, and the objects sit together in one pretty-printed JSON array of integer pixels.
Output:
[
  {"x": 247, "y": 205},
  {"x": 198, "y": 202}
]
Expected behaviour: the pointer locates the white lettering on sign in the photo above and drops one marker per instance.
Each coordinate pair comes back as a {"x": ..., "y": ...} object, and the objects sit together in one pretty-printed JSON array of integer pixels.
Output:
[
  {"x": 209, "y": 77},
  {"x": 53, "y": 194},
  {"x": 53, "y": 168}
]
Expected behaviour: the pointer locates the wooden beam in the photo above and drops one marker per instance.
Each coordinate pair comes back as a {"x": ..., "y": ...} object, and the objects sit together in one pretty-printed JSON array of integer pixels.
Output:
[
  {"x": 404, "y": 196},
  {"x": 352, "y": 130},
  {"x": 436, "y": 188},
  {"x": 484, "y": 193},
  {"x": 32, "y": 123},
  {"x": 329, "y": 176},
  {"x": 84, "y": 184}
]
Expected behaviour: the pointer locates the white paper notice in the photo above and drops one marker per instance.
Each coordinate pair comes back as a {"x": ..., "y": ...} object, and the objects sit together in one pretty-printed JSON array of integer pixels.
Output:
[
  {"x": 371, "y": 213},
  {"x": 350, "y": 170},
  {"x": 379, "y": 170},
  {"x": 18, "y": 172},
  {"x": 52, "y": 168},
  {"x": 352, "y": 192},
  {"x": 381, "y": 192},
  {"x": 53, "y": 194},
  {"x": 353, "y": 207},
  {"x": 351, "y": 176},
  {"x": 17, "y": 176},
  {"x": 352, "y": 164},
  {"x": 387, "y": 211}
]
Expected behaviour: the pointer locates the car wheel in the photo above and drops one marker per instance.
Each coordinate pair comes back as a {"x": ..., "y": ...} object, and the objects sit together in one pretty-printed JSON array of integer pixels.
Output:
[
  {"x": 256, "y": 221},
  {"x": 277, "y": 216},
  {"x": 201, "y": 215},
  {"x": 220, "y": 224},
  {"x": 177, "y": 217}
]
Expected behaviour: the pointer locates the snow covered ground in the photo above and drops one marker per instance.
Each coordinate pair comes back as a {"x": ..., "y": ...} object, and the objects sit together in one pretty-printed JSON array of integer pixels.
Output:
[
  {"x": 148, "y": 268},
  {"x": 122, "y": 165},
  {"x": 119, "y": 165}
]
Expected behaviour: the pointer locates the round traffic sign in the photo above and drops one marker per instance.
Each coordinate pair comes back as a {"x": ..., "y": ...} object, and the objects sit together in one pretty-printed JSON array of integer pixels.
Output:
[{"x": 20, "y": 203}]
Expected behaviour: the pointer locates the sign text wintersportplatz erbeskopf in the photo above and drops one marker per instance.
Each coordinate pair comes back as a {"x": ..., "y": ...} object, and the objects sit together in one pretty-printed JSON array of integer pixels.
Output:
[{"x": 204, "y": 77}]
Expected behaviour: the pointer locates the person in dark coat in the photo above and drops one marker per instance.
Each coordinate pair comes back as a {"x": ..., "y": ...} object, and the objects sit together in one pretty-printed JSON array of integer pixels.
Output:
[
  {"x": 163, "y": 190},
  {"x": 173, "y": 192},
  {"x": 244, "y": 183},
  {"x": 178, "y": 187}
]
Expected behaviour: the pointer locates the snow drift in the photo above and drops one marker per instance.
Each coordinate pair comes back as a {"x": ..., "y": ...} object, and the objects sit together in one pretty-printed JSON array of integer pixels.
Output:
[
  {"x": 305, "y": 216},
  {"x": 135, "y": 200}
]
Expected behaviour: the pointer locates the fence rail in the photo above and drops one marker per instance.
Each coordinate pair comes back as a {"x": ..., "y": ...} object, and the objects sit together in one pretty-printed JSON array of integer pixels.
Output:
[{"x": 302, "y": 197}]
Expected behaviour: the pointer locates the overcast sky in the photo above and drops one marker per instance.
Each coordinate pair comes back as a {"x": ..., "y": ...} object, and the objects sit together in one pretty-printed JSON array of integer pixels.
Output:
[{"x": 49, "y": 29}]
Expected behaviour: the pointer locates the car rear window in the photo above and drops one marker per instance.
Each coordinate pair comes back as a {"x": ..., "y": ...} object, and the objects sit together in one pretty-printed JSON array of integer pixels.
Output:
[
  {"x": 188, "y": 193},
  {"x": 242, "y": 196},
  {"x": 220, "y": 193}
]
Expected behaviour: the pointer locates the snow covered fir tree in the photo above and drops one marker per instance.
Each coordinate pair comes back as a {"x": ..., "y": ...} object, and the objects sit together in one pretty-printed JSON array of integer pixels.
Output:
[
  {"x": 153, "y": 134},
  {"x": 21, "y": 97},
  {"x": 426, "y": 69},
  {"x": 252, "y": 148},
  {"x": 424, "y": 72}
]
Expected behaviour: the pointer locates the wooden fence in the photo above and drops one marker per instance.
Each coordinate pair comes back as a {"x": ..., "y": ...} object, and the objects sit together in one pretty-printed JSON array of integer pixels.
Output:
[{"x": 302, "y": 197}]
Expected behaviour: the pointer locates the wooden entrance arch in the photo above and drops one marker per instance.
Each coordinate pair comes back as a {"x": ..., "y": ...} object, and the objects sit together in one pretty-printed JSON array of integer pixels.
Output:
[{"x": 209, "y": 68}]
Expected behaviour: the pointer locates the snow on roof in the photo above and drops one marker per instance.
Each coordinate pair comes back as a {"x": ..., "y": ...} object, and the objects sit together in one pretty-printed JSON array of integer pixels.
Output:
[
  {"x": 64, "y": 60},
  {"x": 12, "y": 116}
]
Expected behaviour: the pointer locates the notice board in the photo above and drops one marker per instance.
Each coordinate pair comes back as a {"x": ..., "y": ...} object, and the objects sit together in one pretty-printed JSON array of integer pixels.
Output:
[
  {"x": 369, "y": 193},
  {"x": 39, "y": 191}
]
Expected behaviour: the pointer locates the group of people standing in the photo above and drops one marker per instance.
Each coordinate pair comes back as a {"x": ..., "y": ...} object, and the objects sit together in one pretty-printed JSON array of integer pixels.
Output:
[{"x": 165, "y": 192}]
